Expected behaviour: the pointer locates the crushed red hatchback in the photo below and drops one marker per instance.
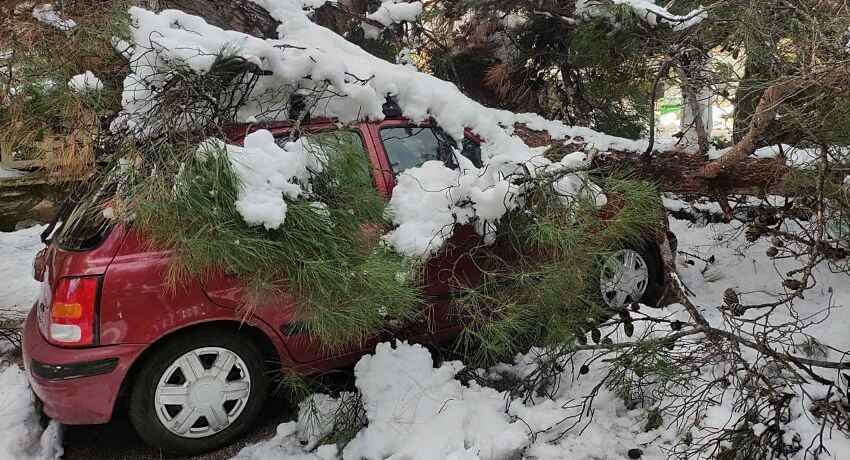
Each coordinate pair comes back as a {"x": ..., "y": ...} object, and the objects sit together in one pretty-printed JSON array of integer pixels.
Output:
[{"x": 194, "y": 371}]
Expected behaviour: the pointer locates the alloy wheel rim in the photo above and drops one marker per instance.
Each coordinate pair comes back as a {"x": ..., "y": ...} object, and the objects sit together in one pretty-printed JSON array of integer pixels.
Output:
[
  {"x": 624, "y": 278},
  {"x": 202, "y": 392}
]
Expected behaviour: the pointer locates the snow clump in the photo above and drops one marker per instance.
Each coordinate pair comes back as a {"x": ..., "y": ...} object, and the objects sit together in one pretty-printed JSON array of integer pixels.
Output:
[
  {"x": 391, "y": 12},
  {"x": 268, "y": 173},
  {"x": 414, "y": 411},
  {"x": 85, "y": 82}
]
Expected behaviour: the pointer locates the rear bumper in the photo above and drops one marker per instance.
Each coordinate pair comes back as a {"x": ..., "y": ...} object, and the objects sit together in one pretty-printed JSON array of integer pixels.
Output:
[{"x": 78, "y": 386}]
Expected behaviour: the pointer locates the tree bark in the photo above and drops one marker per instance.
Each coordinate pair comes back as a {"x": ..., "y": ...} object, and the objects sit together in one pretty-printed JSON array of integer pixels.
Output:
[
  {"x": 764, "y": 115},
  {"x": 678, "y": 171},
  {"x": 749, "y": 92},
  {"x": 240, "y": 15},
  {"x": 696, "y": 108}
]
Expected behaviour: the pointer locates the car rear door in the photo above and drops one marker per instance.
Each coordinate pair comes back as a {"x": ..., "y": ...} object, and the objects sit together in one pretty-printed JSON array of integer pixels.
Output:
[{"x": 279, "y": 310}]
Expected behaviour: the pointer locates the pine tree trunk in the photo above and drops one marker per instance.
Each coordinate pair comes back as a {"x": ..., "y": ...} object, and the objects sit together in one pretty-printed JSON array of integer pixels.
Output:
[
  {"x": 240, "y": 15},
  {"x": 679, "y": 172},
  {"x": 749, "y": 93}
]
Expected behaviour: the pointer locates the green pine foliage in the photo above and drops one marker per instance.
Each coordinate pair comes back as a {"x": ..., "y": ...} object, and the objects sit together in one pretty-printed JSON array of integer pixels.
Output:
[
  {"x": 541, "y": 277},
  {"x": 348, "y": 286},
  {"x": 541, "y": 285}
]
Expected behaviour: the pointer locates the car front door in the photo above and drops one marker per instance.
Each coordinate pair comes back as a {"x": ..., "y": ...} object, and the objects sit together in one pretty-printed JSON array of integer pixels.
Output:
[{"x": 406, "y": 145}]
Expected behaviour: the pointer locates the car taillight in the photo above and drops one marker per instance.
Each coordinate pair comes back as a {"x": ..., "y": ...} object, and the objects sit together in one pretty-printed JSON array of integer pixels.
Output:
[{"x": 72, "y": 312}]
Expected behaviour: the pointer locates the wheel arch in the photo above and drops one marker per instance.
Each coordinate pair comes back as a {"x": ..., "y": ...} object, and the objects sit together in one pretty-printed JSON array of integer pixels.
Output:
[{"x": 270, "y": 353}]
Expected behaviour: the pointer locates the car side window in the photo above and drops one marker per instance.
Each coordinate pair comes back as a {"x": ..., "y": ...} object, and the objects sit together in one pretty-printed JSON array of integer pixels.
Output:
[
  {"x": 410, "y": 146},
  {"x": 331, "y": 140}
]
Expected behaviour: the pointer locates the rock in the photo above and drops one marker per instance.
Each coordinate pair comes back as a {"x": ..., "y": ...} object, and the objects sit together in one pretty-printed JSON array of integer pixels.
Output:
[
  {"x": 635, "y": 453},
  {"x": 27, "y": 223},
  {"x": 43, "y": 210},
  {"x": 22, "y": 202}
]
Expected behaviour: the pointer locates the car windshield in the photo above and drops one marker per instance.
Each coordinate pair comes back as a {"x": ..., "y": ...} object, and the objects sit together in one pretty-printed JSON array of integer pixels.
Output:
[{"x": 410, "y": 146}]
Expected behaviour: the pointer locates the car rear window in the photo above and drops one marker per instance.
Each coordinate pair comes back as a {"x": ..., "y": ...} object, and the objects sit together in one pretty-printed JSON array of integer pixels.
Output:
[
  {"x": 410, "y": 146},
  {"x": 88, "y": 219}
]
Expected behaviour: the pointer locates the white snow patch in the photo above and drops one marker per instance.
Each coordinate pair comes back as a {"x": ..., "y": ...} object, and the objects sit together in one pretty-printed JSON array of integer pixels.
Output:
[
  {"x": 416, "y": 411},
  {"x": 122, "y": 47},
  {"x": 86, "y": 81},
  {"x": 794, "y": 156},
  {"x": 423, "y": 412},
  {"x": 19, "y": 288},
  {"x": 391, "y": 12},
  {"x": 21, "y": 435},
  {"x": 430, "y": 200},
  {"x": 268, "y": 174},
  {"x": 647, "y": 10},
  {"x": 46, "y": 14}
]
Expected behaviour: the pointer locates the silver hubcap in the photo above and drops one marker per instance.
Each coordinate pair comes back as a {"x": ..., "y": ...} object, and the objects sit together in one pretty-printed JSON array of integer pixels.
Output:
[
  {"x": 202, "y": 392},
  {"x": 624, "y": 278}
]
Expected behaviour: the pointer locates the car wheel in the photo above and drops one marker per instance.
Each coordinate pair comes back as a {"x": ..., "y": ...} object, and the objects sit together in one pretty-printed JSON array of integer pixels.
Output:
[
  {"x": 198, "y": 391},
  {"x": 630, "y": 275}
]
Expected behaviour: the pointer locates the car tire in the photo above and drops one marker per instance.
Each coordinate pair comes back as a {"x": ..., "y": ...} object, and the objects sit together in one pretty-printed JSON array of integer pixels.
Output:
[
  {"x": 655, "y": 289},
  {"x": 649, "y": 259},
  {"x": 158, "y": 380}
]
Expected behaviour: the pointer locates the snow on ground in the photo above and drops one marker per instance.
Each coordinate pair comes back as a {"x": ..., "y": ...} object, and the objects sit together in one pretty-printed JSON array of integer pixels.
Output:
[
  {"x": 416, "y": 411},
  {"x": 21, "y": 434},
  {"x": 19, "y": 289}
]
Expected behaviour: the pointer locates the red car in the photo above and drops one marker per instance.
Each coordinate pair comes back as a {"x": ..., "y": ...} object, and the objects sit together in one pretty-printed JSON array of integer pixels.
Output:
[{"x": 194, "y": 371}]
